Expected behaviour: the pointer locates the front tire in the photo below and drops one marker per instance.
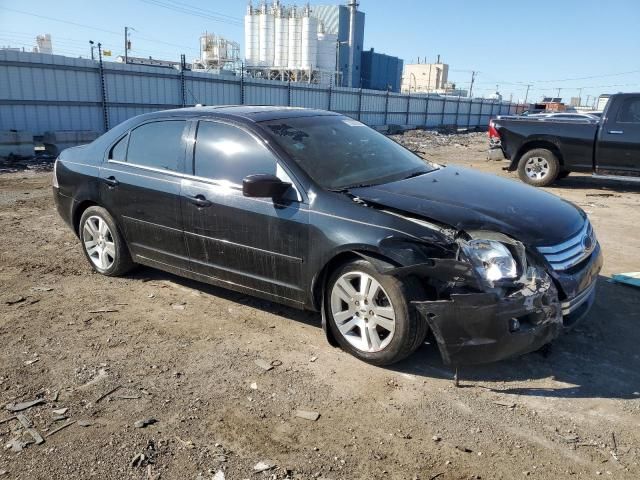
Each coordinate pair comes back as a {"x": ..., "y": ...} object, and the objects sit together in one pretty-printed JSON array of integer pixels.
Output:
[
  {"x": 539, "y": 167},
  {"x": 102, "y": 243},
  {"x": 370, "y": 314}
]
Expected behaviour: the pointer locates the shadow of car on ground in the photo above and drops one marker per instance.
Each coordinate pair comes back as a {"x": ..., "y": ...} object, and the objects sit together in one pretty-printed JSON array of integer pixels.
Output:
[{"x": 599, "y": 358}]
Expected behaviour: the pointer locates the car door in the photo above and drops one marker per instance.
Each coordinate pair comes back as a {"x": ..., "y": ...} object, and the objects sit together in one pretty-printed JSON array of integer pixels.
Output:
[
  {"x": 257, "y": 243},
  {"x": 140, "y": 186},
  {"x": 618, "y": 149}
]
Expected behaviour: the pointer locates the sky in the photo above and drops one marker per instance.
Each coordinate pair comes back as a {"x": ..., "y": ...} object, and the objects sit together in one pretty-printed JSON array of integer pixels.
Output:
[{"x": 582, "y": 47}]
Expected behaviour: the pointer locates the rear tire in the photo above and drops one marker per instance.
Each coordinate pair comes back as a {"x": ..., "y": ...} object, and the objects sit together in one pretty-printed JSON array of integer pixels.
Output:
[
  {"x": 538, "y": 167},
  {"x": 103, "y": 244},
  {"x": 370, "y": 314}
]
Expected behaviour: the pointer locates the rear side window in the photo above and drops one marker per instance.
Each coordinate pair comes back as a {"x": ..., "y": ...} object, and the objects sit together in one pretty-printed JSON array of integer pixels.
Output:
[
  {"x": 119, "y": 150},
  {"x": 226, "y": 152},
  {"x": 157, "y": 144},
  {"x": 629, "y": 111}
]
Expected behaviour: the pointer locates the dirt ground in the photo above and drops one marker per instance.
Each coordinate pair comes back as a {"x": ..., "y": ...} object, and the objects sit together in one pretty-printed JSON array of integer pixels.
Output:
[{"x": 185, "y": 354}]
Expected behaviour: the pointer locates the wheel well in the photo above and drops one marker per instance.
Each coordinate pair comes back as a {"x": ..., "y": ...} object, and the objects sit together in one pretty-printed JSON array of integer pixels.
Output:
[
  {"x": 334, "y": 263},
  {"x": 527, "y": 147},
  {"x": 77, "y": 214}
]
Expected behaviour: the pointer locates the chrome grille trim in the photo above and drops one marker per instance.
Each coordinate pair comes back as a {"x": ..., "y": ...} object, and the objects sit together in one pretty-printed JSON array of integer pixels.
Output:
[
  {"x": 570, "y": 305},
  {"x": 571, "y": 252}
]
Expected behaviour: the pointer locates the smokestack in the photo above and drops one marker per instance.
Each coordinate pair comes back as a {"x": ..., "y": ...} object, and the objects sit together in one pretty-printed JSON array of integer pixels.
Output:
[{"x": 353, "y": 8}]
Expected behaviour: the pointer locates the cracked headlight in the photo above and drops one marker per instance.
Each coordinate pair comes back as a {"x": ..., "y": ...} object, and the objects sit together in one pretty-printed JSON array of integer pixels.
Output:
[{"x": 491, "y": 259}]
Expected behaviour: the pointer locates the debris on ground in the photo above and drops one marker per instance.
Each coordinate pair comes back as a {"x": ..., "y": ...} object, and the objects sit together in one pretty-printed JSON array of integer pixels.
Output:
[
  {"x": 631, "y": 278},
  {"x": 105, "y": 395},
  {"x": 263, "y": 466},
  {"x": 263, "y": 364},
  {"x": 103, "y": 310},
  {"x": 307, "y": 415},
  {"x": 18, "y": 407},
  {"x": 61, "y": 427},
  {"x": 421, "y": 141},
  {"x": 27, "y": 424},
  {"x": 505, "y": 404},
  {"x": 145, "y": 422},
  {"x": 13, "y": 299}
]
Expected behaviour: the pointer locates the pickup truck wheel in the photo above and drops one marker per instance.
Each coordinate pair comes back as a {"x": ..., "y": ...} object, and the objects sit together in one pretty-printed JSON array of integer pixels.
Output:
[
  {"x": 370, "y": 314},
  {"x": 538, "y": 167}
]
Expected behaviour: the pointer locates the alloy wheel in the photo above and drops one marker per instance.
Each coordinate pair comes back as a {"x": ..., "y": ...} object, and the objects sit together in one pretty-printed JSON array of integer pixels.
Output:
[
  {"x": 98, "y": 242},
  {"x": 536, "y": 168},
  {"x": 363, "y": 312}
]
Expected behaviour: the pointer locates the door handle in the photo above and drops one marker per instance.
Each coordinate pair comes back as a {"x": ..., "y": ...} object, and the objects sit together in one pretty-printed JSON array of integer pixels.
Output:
[
  {"x": 199, "y": 200},
  {"x": 111, "y": 182},
  {"x": 616, "y": 132}
]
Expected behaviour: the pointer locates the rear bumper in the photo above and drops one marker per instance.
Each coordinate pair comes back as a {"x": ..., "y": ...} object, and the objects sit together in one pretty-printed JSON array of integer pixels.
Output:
[
  {"x": 495, "y": 152},
  {"x": 64, "y": 206}
]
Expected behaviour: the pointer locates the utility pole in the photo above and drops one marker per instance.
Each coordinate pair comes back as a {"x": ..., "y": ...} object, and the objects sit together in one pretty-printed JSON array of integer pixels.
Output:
[
  {"x": 587, "y": 102},
  {"x": 92, "y": 47},
  {"x": 580, "y": 96},
  {"x": 526, "y": 95},
  {"x": 127, "y": 44},
  {"x": 473, "y": 77},
  {"x": 558, "y": 95}
]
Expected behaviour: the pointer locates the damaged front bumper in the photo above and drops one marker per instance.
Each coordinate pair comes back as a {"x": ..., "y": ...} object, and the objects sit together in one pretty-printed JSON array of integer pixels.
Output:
[{"x": 485, "y": 327}]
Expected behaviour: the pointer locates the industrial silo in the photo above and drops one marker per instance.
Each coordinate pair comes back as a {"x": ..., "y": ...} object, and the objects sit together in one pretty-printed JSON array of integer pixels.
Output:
[
  {"x": 251, "y": 38},
  {"x": 327, "y": 51},
  {"x": 295, "y": 31},
  {"x": 309, "y": 40},
  {"x": 266, "y": 37},
  {"x": 281, "y": 44}
]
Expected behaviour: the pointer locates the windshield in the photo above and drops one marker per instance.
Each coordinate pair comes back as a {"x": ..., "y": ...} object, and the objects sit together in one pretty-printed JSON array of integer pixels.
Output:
[{"x": 338, "y": 152}]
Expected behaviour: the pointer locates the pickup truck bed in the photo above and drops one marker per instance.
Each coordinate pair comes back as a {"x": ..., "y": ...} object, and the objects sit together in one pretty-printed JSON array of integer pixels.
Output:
[{"x": 542, "y": 150}]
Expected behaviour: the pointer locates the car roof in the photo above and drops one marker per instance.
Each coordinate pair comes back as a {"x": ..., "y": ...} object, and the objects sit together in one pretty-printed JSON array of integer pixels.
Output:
[{"x": 255, "y": 113}]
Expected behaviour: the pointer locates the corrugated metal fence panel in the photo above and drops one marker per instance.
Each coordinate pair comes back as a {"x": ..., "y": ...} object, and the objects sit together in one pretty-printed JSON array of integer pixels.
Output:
[
  {"x": 208, "y": 89},
  {"x": 397, "y": 106},
  {"x": 143, "y": 85},
  {"x": 265, "y": 92},
  {"x": 372, "y": 107},
  {"x": 50, "y": 92},
  {"x": 310, "y": 96},
  {"x": 346, "y": 101}
]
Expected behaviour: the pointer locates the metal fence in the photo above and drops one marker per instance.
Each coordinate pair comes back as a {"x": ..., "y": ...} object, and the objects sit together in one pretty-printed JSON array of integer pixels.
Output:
[{"x": 41, "y": 93}]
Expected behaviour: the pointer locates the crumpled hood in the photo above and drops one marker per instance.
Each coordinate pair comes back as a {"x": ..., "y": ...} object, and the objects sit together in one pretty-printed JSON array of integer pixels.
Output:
[{"x": 469, "y": 200}]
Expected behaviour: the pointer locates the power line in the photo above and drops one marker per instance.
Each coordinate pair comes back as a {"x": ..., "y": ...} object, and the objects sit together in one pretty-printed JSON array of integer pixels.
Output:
[
  {"x": 93, "y": 28},
  {"x": 209, "y": 15}
]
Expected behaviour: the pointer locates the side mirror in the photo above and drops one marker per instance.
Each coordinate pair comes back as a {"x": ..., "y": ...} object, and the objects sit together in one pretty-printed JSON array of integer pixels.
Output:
[{"x": 264, "y": 185}]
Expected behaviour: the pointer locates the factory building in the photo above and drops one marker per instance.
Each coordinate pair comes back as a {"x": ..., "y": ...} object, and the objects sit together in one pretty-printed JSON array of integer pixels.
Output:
[
  {"x": 380, "y": 71},
  {"x": 322, "y": 44},
  {"x": 425, "y": 77}
]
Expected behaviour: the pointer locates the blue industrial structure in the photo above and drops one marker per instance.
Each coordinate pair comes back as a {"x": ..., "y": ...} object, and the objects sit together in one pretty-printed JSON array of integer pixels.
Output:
[
  {"x": 380, "y": 71},
  {"x": 336, "y": 20}
]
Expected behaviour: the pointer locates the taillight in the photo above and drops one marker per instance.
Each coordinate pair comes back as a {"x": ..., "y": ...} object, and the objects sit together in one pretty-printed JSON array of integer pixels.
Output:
[
  {"x": 54, "y": 180},
  {"x": 492, "y": 132}
]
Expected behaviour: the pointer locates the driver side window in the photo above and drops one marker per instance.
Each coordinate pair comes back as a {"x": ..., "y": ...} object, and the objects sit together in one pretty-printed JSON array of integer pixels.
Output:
[{"x": 225, "y": 152}]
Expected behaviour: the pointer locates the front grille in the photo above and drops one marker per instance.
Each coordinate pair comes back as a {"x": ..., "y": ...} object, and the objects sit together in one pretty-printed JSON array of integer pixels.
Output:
[{"x": 571, "y": 252}]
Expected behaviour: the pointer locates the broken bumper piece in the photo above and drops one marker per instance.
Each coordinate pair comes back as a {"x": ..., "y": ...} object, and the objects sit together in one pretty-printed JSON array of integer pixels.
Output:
[{"x": 484, "y": 327}]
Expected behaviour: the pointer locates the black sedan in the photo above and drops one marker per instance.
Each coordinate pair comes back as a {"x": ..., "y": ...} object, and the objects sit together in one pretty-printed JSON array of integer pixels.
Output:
[{"x": 318, "y": 211}]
